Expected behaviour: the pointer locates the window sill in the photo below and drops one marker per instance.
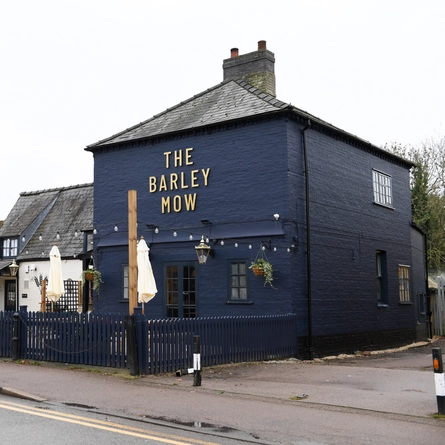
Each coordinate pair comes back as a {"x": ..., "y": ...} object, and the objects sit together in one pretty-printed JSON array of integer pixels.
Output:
[
  {"x": 382, "y": 305},
  {"x": 384, "y": 205},
  {"x": 405, "y": 303},
  {"x": 239, "y": 302}
]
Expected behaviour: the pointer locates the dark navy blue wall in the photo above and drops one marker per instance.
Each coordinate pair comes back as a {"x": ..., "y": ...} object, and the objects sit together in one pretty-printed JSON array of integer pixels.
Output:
[
  {"x": 248, "y": 183},
  {"x": 257, "y": 170},
  {"x": 347, "y": 229}
]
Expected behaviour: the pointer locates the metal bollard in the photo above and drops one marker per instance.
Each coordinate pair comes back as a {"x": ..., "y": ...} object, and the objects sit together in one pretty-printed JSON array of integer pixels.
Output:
[
  {"x": 197, "y": 361},
  {"x": 439, "y": 379}
]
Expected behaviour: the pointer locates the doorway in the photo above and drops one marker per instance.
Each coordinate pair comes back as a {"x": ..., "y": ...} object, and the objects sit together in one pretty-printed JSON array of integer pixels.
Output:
[
  {"x": 180, "y": 293},
  {"x": 10, "y": 295}
]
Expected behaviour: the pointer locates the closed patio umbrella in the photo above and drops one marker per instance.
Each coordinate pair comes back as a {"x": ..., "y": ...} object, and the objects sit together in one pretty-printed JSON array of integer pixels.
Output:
[
  {"x": 55, "y": 288},
  {"x": 146, "y": 280}
]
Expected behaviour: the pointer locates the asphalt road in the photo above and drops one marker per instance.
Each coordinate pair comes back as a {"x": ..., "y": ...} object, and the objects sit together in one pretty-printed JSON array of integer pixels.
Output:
[{"x": 387, "y": 398}]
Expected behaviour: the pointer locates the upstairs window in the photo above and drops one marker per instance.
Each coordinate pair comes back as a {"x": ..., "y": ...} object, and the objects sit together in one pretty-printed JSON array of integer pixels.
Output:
[
  {"x": 10, "y": 246},
  {"x": 404, "y": 288},
  {"x": 382, "y": 188}
]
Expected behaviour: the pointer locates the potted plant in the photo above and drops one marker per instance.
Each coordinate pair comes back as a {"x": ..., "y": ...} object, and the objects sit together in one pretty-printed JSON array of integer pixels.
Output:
[
  {"x": 262, "y": 267},
  {"x": 93, "y": 275}
]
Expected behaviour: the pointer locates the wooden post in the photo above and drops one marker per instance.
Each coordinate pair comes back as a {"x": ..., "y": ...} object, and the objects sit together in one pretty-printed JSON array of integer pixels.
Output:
[
  {"x": 132, "y": 250},
  {"x": 43, "y": 302}
]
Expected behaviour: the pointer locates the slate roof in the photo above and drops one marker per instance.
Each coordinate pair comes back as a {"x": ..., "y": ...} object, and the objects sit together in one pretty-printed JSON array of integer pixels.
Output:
[
  {"x": 46, "y": 212},
  {"x": 229, "y": 101},
  {"x": 225, "y": 102}
]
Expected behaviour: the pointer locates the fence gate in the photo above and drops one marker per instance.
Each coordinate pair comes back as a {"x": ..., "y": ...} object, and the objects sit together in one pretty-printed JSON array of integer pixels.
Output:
[
  {"x": 439, "y": 308},
  {"x": 70, "y": 301}
]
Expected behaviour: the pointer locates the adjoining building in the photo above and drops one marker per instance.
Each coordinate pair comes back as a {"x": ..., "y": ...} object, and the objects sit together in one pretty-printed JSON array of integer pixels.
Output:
[
  {"x": 255, "y": 177},
  {"x": 38, "y": 220}
]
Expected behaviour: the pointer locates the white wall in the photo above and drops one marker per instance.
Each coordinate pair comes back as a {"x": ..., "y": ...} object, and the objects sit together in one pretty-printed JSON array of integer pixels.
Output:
[{"x": 71, "y": 269}]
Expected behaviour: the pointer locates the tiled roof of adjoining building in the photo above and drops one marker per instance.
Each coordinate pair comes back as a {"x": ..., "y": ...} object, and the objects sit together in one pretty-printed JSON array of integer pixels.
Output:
[{"x": 47, "y": 213}]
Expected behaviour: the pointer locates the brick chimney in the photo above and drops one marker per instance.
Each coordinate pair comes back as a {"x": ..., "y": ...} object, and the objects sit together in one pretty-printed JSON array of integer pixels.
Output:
[{"x": 257, "y": 68}]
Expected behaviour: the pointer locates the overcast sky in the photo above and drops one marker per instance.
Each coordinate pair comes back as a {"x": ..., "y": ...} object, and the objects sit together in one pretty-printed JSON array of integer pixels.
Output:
[{"x": 75, "y": 72}]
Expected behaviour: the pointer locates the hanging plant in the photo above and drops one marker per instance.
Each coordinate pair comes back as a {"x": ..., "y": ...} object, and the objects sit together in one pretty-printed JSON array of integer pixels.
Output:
[
  {"x": 262, "y": 268},
  {"x": 94, "y": 276}
]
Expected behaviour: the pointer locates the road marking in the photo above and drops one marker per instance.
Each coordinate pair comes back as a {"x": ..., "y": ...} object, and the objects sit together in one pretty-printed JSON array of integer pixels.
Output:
[{"x": 102, "y": 425}]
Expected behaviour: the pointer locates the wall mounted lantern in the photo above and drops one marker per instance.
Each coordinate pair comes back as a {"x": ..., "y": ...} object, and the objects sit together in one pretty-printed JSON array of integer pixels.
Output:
[
  {"x": 203, "y": 251},
  {"x": 13, "y": 269}
]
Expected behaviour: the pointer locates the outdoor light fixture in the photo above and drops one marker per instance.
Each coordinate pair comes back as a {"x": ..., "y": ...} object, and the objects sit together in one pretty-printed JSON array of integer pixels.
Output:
[
  {"x": 203, "y": 251},
  {"x": 276, "y": 216},
  {"x": 13, "y": 269}
]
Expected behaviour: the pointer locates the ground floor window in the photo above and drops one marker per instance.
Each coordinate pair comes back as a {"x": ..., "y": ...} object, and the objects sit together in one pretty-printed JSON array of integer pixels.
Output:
[
  {"x": 404, "y": 288},
  {"x": 125, "y": 282},
  {"x": 238, "y": 281},
  {"x": 180, "y": 290},
  {"x": 382, "y": 289}
]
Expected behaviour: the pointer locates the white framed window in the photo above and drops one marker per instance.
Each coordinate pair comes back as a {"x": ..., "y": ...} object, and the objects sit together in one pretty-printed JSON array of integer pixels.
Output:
[
  {"x": 382, "y": 188},
  {"x": 10, "y": 247},
  {"x": 404, "y": 288}
]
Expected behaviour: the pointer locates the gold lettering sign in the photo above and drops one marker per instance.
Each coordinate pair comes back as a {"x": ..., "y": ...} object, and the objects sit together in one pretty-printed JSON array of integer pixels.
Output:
[{"x": 181, "y": 180}]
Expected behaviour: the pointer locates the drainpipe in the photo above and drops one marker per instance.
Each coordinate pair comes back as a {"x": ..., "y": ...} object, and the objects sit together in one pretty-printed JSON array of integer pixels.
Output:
[
  {"x": 310, "y": 349},
  {"x": 428, "y": 300}
]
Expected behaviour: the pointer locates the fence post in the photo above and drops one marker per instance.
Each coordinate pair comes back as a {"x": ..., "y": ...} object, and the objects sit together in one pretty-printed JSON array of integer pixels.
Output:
[
  {"x": 439, "y": 379},
  {"x": 132, "y": 354},
  {"x": 197, "y": 361},
  {"x": 16, "y": 336}
]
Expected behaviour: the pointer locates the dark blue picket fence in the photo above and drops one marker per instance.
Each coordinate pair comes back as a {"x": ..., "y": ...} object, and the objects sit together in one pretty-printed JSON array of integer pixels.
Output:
[
  {"x": 69, "y": 337},
  {"x": 6, "y": 322},
  {"x": 162, "y": 345},
  {"x": 223, "y": 340}
]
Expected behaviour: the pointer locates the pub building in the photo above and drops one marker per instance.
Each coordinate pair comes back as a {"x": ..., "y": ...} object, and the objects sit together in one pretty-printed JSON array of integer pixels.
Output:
[{"x": 251, "y": 178}]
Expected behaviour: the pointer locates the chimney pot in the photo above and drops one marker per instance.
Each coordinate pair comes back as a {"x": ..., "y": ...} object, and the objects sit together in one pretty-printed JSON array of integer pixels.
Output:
[
  {"x": 261, "y": 45},
  {"x": 234, "y": 52}
]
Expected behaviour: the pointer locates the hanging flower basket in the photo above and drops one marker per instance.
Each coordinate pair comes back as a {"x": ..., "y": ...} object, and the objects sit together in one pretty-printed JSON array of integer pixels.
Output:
[
  {"x": 94, "y": 276},
  {"x": 262, "y": 268},
  {"x": 257, "y": 270}
]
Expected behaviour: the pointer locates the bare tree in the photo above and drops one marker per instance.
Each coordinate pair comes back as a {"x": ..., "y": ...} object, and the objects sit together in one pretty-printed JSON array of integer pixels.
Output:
[{"x": 428, "y": 194}]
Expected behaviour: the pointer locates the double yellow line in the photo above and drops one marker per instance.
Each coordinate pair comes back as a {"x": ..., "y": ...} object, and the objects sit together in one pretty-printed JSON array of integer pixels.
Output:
[{"x": 102, "y": 425}]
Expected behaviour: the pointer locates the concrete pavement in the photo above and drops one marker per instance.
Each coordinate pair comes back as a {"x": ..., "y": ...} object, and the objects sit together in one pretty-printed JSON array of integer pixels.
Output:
[{"x": 397, "y": 385}]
